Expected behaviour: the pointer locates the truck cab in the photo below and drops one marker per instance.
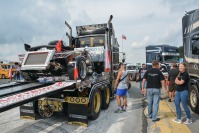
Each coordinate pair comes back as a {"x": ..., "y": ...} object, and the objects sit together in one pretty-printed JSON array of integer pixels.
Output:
[
  {"x": 163, "y": 53},
  {"x": 132, "y": 70},
  {"x": 190, "y": 33}
]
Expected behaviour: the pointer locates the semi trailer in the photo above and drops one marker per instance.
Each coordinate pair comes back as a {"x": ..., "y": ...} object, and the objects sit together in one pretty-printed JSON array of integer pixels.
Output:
[{"x": 190, "y": 34}]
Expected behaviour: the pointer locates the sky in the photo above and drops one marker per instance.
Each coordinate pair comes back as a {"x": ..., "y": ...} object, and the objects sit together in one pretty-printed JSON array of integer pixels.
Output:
[{"x": 143, "y": 22}]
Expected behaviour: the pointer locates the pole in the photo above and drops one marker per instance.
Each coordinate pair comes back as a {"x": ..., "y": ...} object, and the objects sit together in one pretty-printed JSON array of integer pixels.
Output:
[{"x": 122, "y": 45}]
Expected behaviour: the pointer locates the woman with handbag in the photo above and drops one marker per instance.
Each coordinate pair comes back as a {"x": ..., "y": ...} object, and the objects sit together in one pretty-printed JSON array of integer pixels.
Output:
[{"x": 121, "y": 86}]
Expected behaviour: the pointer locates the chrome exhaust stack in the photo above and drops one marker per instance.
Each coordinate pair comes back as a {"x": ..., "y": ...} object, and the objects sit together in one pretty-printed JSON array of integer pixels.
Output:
[{"x": 69, "y": 35}]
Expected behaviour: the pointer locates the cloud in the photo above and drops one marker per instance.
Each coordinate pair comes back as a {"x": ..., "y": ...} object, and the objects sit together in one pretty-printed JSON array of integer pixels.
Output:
[
  {"x": 11, "y": 51},
  {"x": 180, "y": 6},
  {"x": 150, "y": 15},
  {"x": 41, "y": 21},
  {"x": 142, "y": 44}
]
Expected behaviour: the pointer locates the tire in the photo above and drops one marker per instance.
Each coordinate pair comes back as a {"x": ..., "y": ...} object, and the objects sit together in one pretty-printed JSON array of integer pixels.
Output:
[
  {"x": 106, "y": 94},
  {"x": 96, "y": 104},
  {"x": 81, "y": 66},
  {"x": 137, "y": 77},
  {"x": 28, "y": 76},
  {"x": 3, "y": 76},
  {"x": 194, "y": 99},
  {"x": 133, "y": 77}
]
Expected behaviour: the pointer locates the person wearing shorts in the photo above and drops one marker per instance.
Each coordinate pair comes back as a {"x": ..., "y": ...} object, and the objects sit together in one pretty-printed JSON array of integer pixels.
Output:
[
  {"x": 173, "y": 73},
  {"x": 120, "y": 87}
]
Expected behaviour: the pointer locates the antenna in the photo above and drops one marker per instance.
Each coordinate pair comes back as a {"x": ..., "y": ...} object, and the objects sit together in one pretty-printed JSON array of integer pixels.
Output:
[{"x": 21, "y": 39}]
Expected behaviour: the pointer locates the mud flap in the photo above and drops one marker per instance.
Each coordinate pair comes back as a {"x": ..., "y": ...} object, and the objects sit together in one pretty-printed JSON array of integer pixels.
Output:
[
  {"x": 29, "y": 111},
  {"x": 77, "y": 110}
]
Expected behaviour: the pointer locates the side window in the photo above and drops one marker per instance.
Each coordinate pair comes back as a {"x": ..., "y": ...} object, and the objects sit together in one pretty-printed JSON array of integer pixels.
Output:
[
  {"x": 6, "y": 67},
  {"x": 3, "y": 66},
  {"x": 195, "y": 48},
  {"x": 163, "y": 68}
]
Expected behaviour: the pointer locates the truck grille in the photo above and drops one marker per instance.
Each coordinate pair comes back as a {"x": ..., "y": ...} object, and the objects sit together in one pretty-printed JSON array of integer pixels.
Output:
[{"x": 36, "y": 58}]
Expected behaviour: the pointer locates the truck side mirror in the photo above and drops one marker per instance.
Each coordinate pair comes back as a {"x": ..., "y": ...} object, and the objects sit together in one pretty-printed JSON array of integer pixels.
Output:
[{"x": 195, "y": 37}]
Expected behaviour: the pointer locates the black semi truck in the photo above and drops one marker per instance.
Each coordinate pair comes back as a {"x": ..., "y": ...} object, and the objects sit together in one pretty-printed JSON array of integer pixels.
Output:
[
  {"x": 165, "y": 54},
  {"x": 190, "y": 33}
]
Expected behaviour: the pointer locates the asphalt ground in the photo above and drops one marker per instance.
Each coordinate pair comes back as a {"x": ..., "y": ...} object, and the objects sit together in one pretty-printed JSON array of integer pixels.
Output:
[
  {"x": 166, "y": 113},
  {"x": 132, "y": 121},
  {"x": 194, "y": 128}
]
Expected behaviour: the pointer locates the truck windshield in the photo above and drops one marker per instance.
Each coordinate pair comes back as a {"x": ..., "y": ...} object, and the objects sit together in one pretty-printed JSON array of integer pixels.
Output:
[
  {"x": 171, "y": 58},
  {"x": 92, "y": 41}
]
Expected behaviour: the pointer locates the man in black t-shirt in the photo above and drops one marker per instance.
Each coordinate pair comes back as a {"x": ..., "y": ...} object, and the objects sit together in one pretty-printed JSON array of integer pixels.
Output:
[{"x": 154, "y": 78}]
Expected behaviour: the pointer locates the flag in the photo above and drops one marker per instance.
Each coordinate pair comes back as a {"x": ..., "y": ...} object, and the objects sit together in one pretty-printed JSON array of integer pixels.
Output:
[
  {"x": 10, "y": 72},
  {"x": 124, "y": 37},
  {"x": 59, "y": 46},
  {"x": 75, "y": 72},
  {"x": 107, "y": 59}
]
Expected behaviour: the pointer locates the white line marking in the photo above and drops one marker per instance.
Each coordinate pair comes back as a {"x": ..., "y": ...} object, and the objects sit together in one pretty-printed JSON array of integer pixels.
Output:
[{"x": 50, "y": 128}]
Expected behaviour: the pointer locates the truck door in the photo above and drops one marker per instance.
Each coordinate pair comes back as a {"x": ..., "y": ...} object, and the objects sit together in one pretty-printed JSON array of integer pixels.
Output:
[{"x": 195, "y": 54}]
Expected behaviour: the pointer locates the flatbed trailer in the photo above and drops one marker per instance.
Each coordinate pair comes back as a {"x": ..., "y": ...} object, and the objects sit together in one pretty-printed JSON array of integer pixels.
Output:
[
  {"x": 34, "y": 97},
  {"x": 80, "y": 98}
]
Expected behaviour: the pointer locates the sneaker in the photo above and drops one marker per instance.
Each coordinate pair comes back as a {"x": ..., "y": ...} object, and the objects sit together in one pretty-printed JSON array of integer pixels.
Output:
[
  {"x": 169, "y": 100},
  {"x": 118, "y": 111},
  {"x": 124, "y": 110},
  {"x": 177, "y": 120},
  {"x": 188, "y": 121},
  {"x": 156, "y": 120}
]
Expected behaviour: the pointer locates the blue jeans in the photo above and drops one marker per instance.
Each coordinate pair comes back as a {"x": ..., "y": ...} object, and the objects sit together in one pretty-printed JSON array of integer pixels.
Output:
[
  {"x": 153, "y": 97},
  {"x": 181, "y": 96}
]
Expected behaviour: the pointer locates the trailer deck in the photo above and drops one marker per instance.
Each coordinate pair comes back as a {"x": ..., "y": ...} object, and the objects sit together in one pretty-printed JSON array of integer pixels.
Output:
[{"x": 25, "y": 95}]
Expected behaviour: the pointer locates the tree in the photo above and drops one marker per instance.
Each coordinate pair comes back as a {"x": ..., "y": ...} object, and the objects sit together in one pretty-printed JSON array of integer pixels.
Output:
[{"x": 181, "y": 51}]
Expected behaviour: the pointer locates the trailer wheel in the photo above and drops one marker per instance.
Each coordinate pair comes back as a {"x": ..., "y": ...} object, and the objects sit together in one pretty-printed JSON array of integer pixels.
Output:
[
  {"x": 96, "y": 104},
  {"x": 82, "y": 70},
  {"x": 106, "y": 94},
  {"x": 194, "y": 99},
  {"x": 46, "y": 108},
  {"x": 29, "y": 76}
]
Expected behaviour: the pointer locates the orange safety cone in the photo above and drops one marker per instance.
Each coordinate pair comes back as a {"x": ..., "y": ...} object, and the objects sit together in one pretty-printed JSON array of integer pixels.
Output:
[
  {"x": 10, "y": 73},
  {"x": 75, "y": 72}
]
